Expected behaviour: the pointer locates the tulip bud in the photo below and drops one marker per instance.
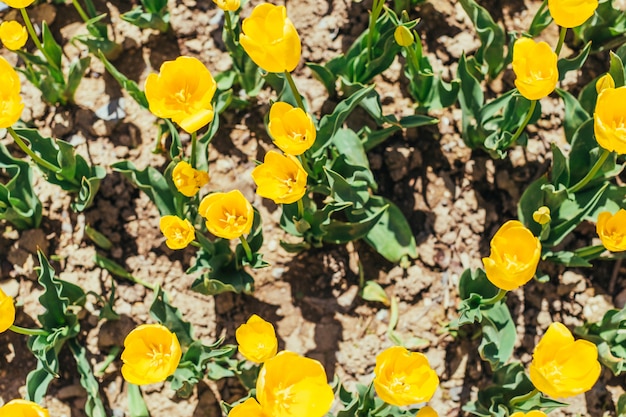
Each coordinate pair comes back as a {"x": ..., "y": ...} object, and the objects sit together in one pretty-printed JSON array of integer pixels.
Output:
[
  {"x": 13, "y": 35},
  {"x": 542, "y": 215},
  {"x": 403, "y": 36},
  {"x": 604, "y": 82}
]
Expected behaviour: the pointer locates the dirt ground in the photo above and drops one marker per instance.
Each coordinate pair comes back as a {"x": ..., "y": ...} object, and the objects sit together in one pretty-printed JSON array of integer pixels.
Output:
[{"x": 455, "y": 199}]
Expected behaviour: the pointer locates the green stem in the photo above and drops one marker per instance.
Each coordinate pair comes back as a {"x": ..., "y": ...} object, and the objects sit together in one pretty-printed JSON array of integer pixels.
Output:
[
  {"x": 523, "y": 398},
  {"x": 499, "y": 296},
  {"x": 246, "y": 247},
  {"x": 300, "y": 209},
  {"x": 590, "y": 252},
  {"x": 413, "y": 62},
  {"x": 520, "y": 129},
  {"x": 28, "y": 332},
  {"x": 80, "y": 11},
  {"x": 35, "y": 38},
  {"x": 377, "y": 6},
  {"x": 592, "y": 173},
  {"x": 294, "y": 90},
  {"x": 194, "y": 146},
  {"x": 38, "y": 160},
  {"x": 559, "y": 45},
  {"x": 229, "y": 27}
]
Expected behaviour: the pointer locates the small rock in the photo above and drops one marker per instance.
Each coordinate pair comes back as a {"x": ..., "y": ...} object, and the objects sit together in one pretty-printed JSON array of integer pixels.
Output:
[{"x": 595, "y": 307}]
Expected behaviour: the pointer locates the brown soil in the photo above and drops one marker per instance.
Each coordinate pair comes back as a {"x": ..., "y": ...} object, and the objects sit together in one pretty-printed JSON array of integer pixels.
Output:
[{"x": 454, "y": 198}]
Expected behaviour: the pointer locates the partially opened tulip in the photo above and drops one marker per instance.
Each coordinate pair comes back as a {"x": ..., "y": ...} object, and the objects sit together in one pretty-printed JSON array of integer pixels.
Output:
[
  {"x": 248, "y": 408},
  {"x": 514, "y": 257},
  {"x": 427, "y": 412},
  {"x": 228, "y": 215},
  {"x": 280, "y": 178},
  {"x": 604, "y": 82},
  {"x": 403, "y": 377},
  {"x": 23, "y": 408},
  {"x": 178, "y": 232},
  {"x": 403, "y": 36},
  {"x": 609, "y": 120},
  {"x": 611, "y": 229},
  {"x": 18, "y": 4},
  {"x": 182, "y": 91},
  {"x": 270, "y": 39},
  {"x": 7, "y": 311},
  {"x": 228, "y": 5},
  {"x": 291, "y": 128},
  {"x": 534, "y": 65},
  {"x": 13, "y": 35},
  {"x": 11, "y": 101},
  {"x": 188, "y": 180},
  {"x": 151, "y": 354},
  {"x": 571, "y": 13},
  {"x": 257, "y": 340},
  {"x": 563, "y": 367}
]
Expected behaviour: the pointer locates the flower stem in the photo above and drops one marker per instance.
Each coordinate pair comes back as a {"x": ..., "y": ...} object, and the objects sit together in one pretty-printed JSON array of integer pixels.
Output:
[
  {"x": 294, "y": 90},
  {"x": 229, "y": 27},
  {"x": 499, "y": 296},
  {"x": 28, "y": 332},
  {"x": 559, "y": 45},
  {"x": 523, "y": 398},
  {"x": 520, "y": 129},
  {"x": 246, "y": 248},
  {"x": 592, "y": 173},
  {"x": 377, "y": 7},
  {"x": 38, "y": 160},
  {"x": 300, "y": 209},
  {"x": 80, "y": 11},
  {"x": 35, "y": 38},
  {"x": 194, "y": 146}
]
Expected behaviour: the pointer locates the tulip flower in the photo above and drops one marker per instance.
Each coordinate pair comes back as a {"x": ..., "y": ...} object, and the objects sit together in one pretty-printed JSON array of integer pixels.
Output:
[
  {"x": 178, "y": 232},
  {"x": 280, "y": 178},
  {"x": 427, "y": 412},
  {"x": 609, "y": 120},
  {"x": 248, "y": 408},
  {"x": 7, "y": 311},
  {"x": 228, "y": 215},
  {"x": 403, "y": 36},
  {"x": 612, "y": 230},
  {"x": 182, "y": 91},
  {"x": 514, "y": 257},
  {"x": 571, "y": 13},
  {"x": 187, "y": 179},
  {"x": 151, "y": 354},
  {"x": 257, "y": 340},
  {"x": 12, "y": 105},
  {"x": 13, "y": 35},
  {"x": 533, "y": 413},
  {"x": 564, "y": 367},
  {"x": 542, "y": 215},
  {"x": 227, "y": 5},
  {"x": 290, "y": 385},
  {"x": 291, "y": 128},
  {"x": 604, "y": 82},
  {"x": 534, "y": 65},
  {"x": 270, "y": 39},
  {"x": 23, "y": 408},
  {"x": 403, "y": 377},
  {"x": 18, "y": 4}
]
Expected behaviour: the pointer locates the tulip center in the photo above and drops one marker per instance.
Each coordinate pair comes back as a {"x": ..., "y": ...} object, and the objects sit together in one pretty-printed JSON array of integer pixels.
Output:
[
  {"x": 398, "y": 384},
  {"x": 232, "y": 220},
  {"x": 283, "y": 397},
  {"x": 158, "y": 356},
  {"x": 618, "y": 123},
  {"x": 183, "y": 97}
]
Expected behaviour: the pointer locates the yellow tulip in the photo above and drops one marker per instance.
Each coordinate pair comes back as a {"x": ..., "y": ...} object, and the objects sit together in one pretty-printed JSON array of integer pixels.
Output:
[
  {"x": 248, "y": 408},
  {"x": 612, "y": 230},
  {"x": 563, "y": 367},
  {"x": 290, "y": 385},
  {"x": 280, "y": 178},
  {"x": 23, "y": 408},
  {"x": 227, "y": 5},
  {"x": 291, "y": 128},
  {"x": 257, "y": 340},
  {"x": 151, "y": 354},
  {"x": 178, "y": 232},
  {"x": 403, "y": 36},
  {"x": 533, "y": 413},
  {"x": 228, "y": 215},
  {"x": 270, "y": 39},
  {"x": 7, "y": 311},
  {"x": 182, "y": 91},
  {"x": 604, "y": 82},
  {"x": 534, "y": 65},
  {"x": 542, "y": 215},
  {"x": 187, "y": 179},
  {"x": 514, "y": 257},
  {"x": 18, "y": 4},
  {"x": 427, "y": 412},
  {"x": 609, "y": 120},
  {"x": 403, "y": 377},
  {"x": 571, "y": 13},
  {"x": 13, "y": 35},
  {"x": 12, "y": 105}
]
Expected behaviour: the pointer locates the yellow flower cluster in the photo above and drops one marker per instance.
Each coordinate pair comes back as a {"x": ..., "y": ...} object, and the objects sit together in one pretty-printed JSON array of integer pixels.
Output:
[
  {"x": 514, "y": 257},
  {"x": 23, "y": 408},
  {"x": 151, "y": 354},
  {"x": 562, "y": 366},
  {"x": 12, "y": 105}
]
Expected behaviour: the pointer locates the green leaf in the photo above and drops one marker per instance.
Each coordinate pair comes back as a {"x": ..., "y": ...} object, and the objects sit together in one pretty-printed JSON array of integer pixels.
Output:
[
  {"x": 566, "y": 65},
  {"x": 75, "y": 75},
  {"x": 343, "y": 232},
  {"x": 471, "y": 99},
  {"x": 560, "y": 169},
  {"x": 152, "y": 182},
  {"x": 541, "y": 20},
  {"x": 325, "y": 76},
  {"x": 169, "y": 316},
  {"x": 127, "y": 84},
  {"x": 575, "y": 114},
  {"x": 50, "y": 46},
  {"x": 136, "y": 404},
  {"x": 37, "y": 382},
  {"x": 616, "y": 69},
  {"x": 499, "y": 334},
  {"x": 372, "y": 291},
  {"x": 93, "y": 406},
  {"x": 148, "y": 20}
]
